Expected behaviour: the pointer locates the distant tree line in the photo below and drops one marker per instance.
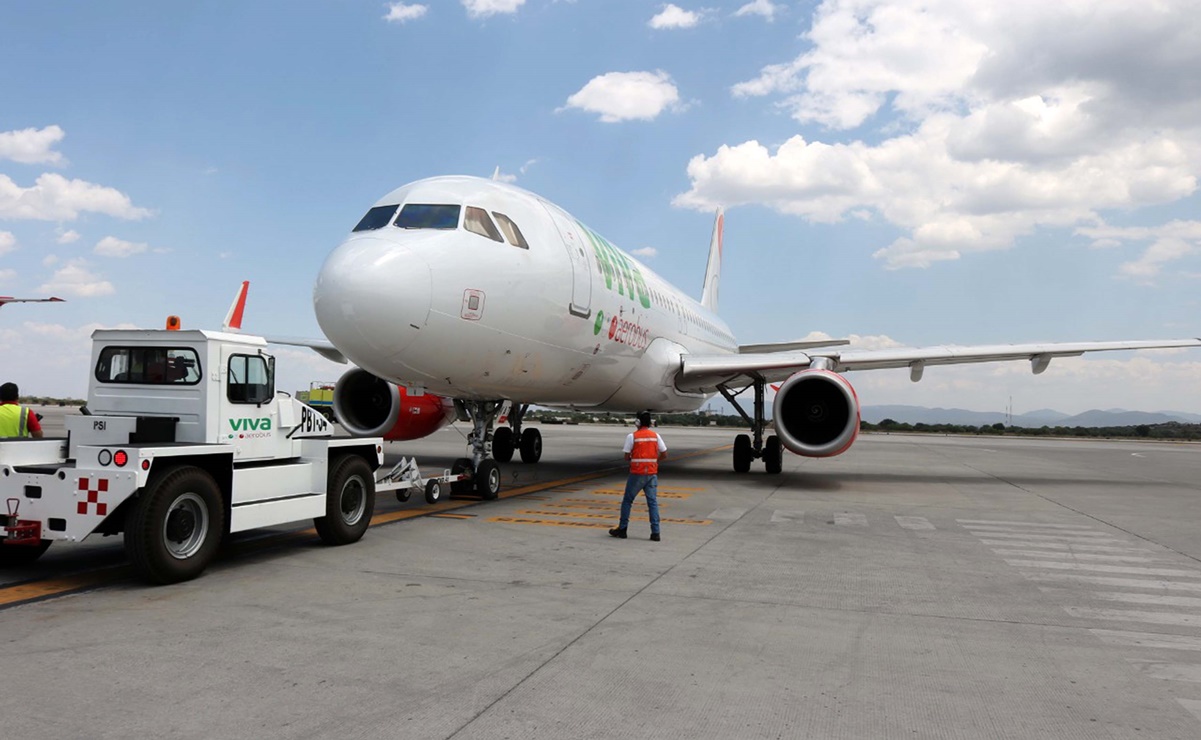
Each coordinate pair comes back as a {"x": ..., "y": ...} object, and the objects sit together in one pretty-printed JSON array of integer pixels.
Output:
[
  {"x": 49, "y": 401},
  {"x": 1169, "y": 430}
]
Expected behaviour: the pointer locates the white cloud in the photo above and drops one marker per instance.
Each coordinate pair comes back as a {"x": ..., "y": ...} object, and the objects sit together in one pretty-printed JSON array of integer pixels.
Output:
[
  {"x": 32, "y": 146},
  {"x": 1168, "y": 242},
  {"x": 485, "y": 8},
  {"x": 974, "y": 127},
  {"x": 401, "y": 13},
  {"x": 765, "y": 8},
  {"x": 76, "y": 278},
  {"x": 673, "y": 16},
  {"x": 627, "y": 96},
  {"x": 66, "y": 237},
  {"x": 645, "y": 252},
  {"x": 8, "y": 242},
  {"x": 110, "y": 246},
  {"x": 7, "y": 275},
  {"x": 50, "y": 260},
  {"x": 55, "y": 198}
]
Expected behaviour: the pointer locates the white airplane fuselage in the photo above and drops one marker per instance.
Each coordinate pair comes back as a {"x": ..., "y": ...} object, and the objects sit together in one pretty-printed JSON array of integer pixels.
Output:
[{"x": 571, "y": 321}]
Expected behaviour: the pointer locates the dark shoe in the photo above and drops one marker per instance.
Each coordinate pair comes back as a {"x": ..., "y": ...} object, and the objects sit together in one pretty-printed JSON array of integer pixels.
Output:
[
  {"x": 618, "y": 532},
  {"x": 654, "y": 536}
]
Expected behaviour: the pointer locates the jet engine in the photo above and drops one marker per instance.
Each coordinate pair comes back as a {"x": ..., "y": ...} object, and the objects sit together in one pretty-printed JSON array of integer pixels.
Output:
[
  {"x": 816, "y": 413},
  {"x": 369, "y": 406}
]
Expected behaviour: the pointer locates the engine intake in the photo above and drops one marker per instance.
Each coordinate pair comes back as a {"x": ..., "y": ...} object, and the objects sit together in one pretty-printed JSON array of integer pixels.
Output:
[
  {"x": 364, "y": 404},
  {"x": 816, "y": 413},
  {"x": 369, "y": 406}
]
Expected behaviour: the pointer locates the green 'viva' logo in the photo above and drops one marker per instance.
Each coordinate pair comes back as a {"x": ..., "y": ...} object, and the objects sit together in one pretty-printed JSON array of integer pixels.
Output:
[{"x": 262, "y": 424}]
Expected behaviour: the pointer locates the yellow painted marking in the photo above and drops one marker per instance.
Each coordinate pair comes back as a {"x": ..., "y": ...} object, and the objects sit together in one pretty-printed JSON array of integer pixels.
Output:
[
  {"x": 615, "y": 492},
  {"x": 598, "y": 506},
  {"x": 60, "y": 585},
  {"x": 548, "y": 522},
  {"x": 585, "y": 515},
  {"x": 453, "y": 516}
]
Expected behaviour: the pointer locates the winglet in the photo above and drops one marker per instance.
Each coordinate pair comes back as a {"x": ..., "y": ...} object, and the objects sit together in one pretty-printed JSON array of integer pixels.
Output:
[
  {"x": 713, "y": 269},
  {"x": 496, "y": 174},
  {"x": 233, "y": 319}
]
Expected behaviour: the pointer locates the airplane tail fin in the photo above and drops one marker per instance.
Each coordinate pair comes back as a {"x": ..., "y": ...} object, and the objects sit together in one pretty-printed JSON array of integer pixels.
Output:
[
  {"x": 713, "y": 270},
  {"x": 233, "y": 319}
]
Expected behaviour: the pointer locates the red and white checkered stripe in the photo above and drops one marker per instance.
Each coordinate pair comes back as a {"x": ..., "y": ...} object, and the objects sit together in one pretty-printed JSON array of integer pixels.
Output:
[{"x": 101, "y": 486}]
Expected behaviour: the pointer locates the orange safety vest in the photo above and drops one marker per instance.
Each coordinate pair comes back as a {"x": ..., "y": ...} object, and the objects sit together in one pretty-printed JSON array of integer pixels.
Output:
[{"x": 644, "y": 456}]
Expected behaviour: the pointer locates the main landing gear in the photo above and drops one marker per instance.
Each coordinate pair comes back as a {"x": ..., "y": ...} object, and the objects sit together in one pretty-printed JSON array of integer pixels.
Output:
[
  {"x": 489, "y": 447},
  {"x": 506, "y": 440},
  {"x": 746, "y": 449}
]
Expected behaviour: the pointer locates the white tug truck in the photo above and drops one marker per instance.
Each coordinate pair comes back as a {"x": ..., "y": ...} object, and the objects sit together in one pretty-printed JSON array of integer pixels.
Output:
[{"x": 184, "y": 439}]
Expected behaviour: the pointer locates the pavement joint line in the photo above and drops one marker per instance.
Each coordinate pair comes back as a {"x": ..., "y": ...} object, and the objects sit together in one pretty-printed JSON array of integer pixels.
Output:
[
  {"x": 42, "y": 589},
  {"x": 1078, "y": 512}
]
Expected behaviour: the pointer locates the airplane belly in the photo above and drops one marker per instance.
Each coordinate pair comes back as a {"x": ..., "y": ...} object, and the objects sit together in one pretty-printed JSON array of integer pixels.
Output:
[{"x": 488, "y": 362}]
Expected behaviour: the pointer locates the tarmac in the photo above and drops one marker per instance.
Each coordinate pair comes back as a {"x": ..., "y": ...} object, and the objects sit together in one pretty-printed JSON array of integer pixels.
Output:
[{"x": 915, "y": 587}]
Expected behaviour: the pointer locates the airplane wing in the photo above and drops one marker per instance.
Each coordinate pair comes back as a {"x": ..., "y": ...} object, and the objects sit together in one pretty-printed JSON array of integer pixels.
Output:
[
  {"x": 706, "y": 372},
  {"x": 9, "y": 299},
  {"x": 321, "y": 346},
  {"x": 750, "y": 349}
]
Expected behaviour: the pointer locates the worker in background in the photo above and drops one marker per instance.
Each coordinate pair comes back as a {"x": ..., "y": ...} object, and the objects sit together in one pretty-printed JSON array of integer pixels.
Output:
[
  {"x": 644, "y": 449},
  {"x": 15, "y": 419}
]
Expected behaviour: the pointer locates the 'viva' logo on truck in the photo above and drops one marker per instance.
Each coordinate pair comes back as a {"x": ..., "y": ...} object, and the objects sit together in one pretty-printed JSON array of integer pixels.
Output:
[{"x": 261, "y": 424}]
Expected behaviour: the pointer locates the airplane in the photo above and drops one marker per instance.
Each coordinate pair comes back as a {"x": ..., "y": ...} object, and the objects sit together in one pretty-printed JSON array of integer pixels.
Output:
[
  {"x": 9, "y": 299},
  {"x": 483, "y": 293}
]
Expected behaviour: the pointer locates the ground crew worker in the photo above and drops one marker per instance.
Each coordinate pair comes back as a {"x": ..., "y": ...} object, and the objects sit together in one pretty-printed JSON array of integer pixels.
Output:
[
  {"x": 15, "y": 419},
  {"x": 644, "y": 449}
]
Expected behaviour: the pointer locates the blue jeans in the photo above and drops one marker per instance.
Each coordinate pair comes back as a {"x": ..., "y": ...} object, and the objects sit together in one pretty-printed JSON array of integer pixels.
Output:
[{"x": 634, "y": 484}]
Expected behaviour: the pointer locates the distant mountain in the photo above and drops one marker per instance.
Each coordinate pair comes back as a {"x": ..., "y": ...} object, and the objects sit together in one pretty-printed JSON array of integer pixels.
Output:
[
  {"x": 1041, "y": 417},
  {"x": 1116, "y": 418}
]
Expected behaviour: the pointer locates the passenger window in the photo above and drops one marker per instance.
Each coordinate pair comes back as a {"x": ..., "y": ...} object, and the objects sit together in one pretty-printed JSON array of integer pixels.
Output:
[
  {"x": 477, "y": 222},
  {"x": 512, "y": 233},
  {"x": 251, "y": 379},
  {"x": 426, "y": 216},
  {"x": 376, "y": 218}
]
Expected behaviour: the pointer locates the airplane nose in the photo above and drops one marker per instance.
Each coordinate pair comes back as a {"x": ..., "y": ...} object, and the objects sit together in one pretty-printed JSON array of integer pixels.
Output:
[{"x": 372, "y": 298}]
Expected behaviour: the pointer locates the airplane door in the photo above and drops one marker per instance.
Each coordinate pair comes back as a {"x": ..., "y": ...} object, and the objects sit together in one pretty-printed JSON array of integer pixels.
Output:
[{"x": 581, "y": 266}]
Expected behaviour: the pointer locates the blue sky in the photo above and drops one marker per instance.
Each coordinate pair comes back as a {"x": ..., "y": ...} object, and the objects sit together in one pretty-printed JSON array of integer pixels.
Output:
[{"x": 898, "y": 172}]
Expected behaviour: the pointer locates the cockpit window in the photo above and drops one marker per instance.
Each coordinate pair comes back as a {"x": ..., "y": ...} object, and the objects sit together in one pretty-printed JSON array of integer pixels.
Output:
[
  {"x": 511, "y": 231},
  {"x": 426, "y": 216},
  {"x": 376, "y": 218},
  {"x": 477, "y": 222}
]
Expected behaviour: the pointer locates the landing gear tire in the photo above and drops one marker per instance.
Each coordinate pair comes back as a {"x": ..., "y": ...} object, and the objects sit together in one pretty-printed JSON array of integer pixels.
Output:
[
  {"x": 503, "y": 444},
  {"x": 487, "y": 480},
  {"x": 458, "y": 467},
  {"x": 22, "y": 554},
  {"x": 531, "y": 446},
  {"x": 174, "y": 529},
  {"x": 433, "y": 492},
  {"x": 349, "y": 503},
  {"x": 773, "y": 455},
  {"x": 743, "y": 453}
]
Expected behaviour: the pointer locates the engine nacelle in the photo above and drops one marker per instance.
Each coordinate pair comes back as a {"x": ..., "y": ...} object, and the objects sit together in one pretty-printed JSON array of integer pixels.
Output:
[
  {"x": 368, "y": 406},
  {"x": 816, "y": 413}
]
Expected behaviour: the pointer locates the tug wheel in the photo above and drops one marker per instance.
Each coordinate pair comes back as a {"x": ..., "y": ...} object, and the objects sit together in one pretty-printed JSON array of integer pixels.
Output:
[
  {"x": 175, "y": 527},
  {"x": 349, "y": 502}
]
